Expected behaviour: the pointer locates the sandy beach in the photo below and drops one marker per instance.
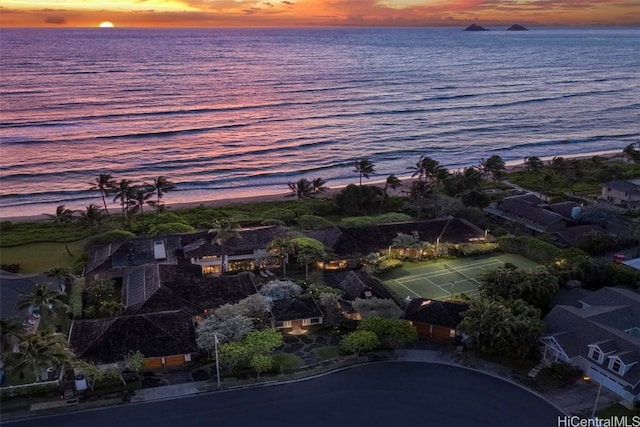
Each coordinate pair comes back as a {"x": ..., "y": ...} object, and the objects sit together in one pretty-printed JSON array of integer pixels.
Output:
[{"x": 510, "y": 166}]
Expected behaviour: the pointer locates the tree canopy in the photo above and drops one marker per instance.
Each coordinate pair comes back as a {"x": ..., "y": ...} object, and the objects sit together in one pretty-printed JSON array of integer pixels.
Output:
[{"x": 509, "y": 328}]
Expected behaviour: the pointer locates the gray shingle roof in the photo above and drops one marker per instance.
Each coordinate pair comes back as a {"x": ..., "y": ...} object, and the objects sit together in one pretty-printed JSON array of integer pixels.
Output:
[
  {"x": 199, "y": 245},
  {"x": 295, "y": 309},
  {"x": 13, "y": 286},
  {"x": 433, "y": 312},
  {"x": 154, "y": 335},
  {"x": 626, "y": 186},
  {"x": 611, "y": 312}
]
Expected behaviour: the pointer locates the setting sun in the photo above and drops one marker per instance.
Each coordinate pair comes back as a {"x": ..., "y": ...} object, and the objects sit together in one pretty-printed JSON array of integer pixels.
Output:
[{"x": 106, "y": 24}]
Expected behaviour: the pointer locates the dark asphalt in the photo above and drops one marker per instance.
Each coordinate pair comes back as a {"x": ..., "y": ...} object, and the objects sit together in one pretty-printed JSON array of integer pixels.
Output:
[{"x": 385, "y": 394}]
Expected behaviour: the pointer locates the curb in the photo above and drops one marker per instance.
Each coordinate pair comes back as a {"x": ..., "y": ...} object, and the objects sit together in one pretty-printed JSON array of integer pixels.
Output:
[{"x": 21, "y": 416}]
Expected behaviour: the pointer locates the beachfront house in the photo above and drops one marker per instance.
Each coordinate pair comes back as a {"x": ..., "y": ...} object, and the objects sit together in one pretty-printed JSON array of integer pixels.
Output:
[
  {"x": 248, "y": 250},
  {"x": 626, "y": 193},
  {"x": 600, "y": 334},
  {"x": 531, "y": 214},
  {"x": 350, "y": 245}
]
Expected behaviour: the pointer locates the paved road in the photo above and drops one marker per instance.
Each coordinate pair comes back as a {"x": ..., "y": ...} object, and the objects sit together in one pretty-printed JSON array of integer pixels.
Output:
[{"x": 386, "y": 394}]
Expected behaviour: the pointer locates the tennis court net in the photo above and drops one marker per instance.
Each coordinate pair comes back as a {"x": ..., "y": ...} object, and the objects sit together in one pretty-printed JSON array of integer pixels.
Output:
[{"x": 461, "y": 274}]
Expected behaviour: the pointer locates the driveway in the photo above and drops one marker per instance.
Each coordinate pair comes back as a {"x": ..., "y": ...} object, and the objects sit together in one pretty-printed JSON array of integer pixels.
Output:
[{"x": 382, "y": 394}]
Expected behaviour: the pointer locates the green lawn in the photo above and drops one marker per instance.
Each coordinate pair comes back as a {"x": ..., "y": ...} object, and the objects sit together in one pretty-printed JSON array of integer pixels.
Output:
[
  {"x": 40, "y": 257},
  {"x": 286, "y": 361},
  {"x": 327, "y": 352}
]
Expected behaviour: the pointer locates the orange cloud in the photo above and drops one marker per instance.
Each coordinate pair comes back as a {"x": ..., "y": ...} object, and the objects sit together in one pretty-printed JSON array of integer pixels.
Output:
[{"x": 218, "y": 13}]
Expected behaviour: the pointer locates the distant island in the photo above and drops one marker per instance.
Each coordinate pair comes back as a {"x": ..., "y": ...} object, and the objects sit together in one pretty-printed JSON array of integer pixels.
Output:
[
  {"x": 474, "y": 27},
  {"x": 517, "y": 27}
]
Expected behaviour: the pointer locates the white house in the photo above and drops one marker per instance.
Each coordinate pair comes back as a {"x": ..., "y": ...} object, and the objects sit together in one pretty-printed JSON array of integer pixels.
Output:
[{"x": 601, "y": 336}]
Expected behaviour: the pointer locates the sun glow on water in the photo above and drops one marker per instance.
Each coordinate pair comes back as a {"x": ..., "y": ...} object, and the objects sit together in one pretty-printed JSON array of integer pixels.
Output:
[{"x": 106, "y": 24}]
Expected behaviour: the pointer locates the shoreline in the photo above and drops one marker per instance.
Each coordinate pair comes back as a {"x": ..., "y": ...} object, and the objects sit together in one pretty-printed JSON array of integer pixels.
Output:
[{"x": 512, "y": 165}]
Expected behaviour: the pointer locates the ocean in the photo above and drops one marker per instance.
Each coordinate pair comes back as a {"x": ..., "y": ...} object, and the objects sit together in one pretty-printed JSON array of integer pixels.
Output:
[{"x": 228, "y": 113}]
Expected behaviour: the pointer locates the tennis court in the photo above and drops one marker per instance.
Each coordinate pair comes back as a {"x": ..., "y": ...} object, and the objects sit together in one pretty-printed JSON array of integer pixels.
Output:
[{"x": 447, "y": 279}]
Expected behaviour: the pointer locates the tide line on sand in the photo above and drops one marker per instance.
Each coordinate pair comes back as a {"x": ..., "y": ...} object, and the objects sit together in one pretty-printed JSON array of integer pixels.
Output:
[{"x": 510, "y": 165}]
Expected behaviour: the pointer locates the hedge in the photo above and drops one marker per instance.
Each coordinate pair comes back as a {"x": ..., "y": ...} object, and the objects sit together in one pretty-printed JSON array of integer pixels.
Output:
[
  {"x": 530, "y": 247},
  {"x": 75, "y": 297},
  {"x": 29, "y": 390}
]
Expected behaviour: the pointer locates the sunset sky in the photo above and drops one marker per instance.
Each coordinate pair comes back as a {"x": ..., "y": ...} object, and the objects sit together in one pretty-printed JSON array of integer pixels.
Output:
[{"x": 295, "y": 13}]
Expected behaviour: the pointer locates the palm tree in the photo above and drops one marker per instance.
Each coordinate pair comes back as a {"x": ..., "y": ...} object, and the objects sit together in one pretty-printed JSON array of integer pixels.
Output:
[
  {"x": 61, "y": 274},
  {"x": 10, "y": 334},
  {"x": 159, "y": 187},
  {"x": 493, "y": 166},
  {"x": 429, "y": 169},
  {"x": 123, "y": 192},
  {"x": 104, "y": 182},
  {"x": 40, "y": 351},
  {"x": 433, "y": 174},
  {"x": 284, "y": 247},
  {"x": 140, "y": 195},
  {"x": 303, "y": 189},
  {"x": 392, "y": 182},
  {"x": 533, "y": 164},
  {"x": 364, "y": 167},
  {"x": 93, "y": 216},
  {"x": 418, "y": 169},
  {"x": 632, "y": 154},
  {"x": 63, "y": 217},
  {"x": 318, "y": 187},
  {"x": 41, "y": 297},
  {"x": 223, "y": 230}
]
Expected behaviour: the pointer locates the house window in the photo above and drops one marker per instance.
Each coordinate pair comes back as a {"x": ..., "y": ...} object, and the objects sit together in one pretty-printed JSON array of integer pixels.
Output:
[
  {"x": 616, "y": 366},
  {"x": 305, "y": 322},
  {"x": 596, "y": 354},
  {"x": 315, "y": 321}
]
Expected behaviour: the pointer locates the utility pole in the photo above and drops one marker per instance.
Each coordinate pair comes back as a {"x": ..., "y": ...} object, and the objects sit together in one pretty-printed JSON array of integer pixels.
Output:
[
  {"x": 215, "y": 342},
  {"x": 595, "y": 404}
]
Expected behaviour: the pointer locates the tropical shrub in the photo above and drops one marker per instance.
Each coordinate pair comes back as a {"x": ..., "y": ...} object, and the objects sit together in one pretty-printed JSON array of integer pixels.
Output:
[
  {"x": 391, "y": 217},
  {"x": 285, "y": 215},
  {"x": 357, "y": 221},
  {"x": 313, "y": 222},
  {"x": 112, "y": 236},
  {"x": 388, "y": 264},
  {"x": 472, "y": 249},
  {"x": 75, "y": 297},
  {"x": 174, "y": 227},
  {"x": 565, "y": 372},
  {"x": 29, "y": 391}
]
